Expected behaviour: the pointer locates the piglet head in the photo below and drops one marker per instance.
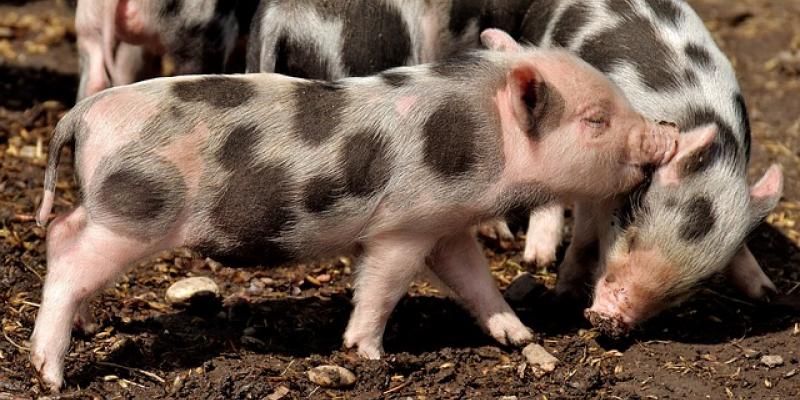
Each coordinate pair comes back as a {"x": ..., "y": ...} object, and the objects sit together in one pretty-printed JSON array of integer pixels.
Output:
[
  {"x": 570, "y": 127},
  {"x": 689, "y": 225}
]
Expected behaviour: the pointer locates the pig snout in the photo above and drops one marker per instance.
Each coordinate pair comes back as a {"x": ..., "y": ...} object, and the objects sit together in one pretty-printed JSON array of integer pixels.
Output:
[
  {"x": 653, "y": 144},
  {"x": 609, "y": 313}
]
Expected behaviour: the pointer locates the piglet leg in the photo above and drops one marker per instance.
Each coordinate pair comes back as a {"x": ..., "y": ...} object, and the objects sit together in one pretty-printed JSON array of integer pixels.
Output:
[
  {"x": 746, "y": 275},
  {"x": 577, "y": 272},
  {"x": 82, "y": 258},
  {"x": 545, "y": 229},
  {"x": 459, "y": 262},
  {"x": 388, "y": 265}
]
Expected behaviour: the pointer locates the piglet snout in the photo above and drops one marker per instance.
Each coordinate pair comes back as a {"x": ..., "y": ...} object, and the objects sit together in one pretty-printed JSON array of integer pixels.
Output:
[
  {"x": 612, "y": 326},
  {"x": 655, "y": 145}
]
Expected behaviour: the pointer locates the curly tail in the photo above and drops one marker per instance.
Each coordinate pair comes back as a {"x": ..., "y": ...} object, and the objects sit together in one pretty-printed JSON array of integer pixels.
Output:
[{"x": 64, "y": 133}]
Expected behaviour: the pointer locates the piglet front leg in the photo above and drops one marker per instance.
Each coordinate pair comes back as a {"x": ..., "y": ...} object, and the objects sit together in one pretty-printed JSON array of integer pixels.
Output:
[{"x": 459, "y": 262}]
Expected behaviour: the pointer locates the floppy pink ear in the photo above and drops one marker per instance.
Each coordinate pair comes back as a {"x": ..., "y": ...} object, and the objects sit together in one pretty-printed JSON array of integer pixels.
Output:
[
  {"x": 692, "y": 148},
  {"x": 766, "y": 193},
  {"x": 496, "y": 39}
]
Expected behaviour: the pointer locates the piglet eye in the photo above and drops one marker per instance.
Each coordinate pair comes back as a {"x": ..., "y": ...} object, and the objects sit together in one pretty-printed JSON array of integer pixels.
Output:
[{"x": 596, "y": 121}]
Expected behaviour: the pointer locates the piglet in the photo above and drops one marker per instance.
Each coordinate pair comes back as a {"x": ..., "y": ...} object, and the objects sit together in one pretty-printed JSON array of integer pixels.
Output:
[
  {"x": 265, "y": 168},
  {"x": 121, "y": 41}
]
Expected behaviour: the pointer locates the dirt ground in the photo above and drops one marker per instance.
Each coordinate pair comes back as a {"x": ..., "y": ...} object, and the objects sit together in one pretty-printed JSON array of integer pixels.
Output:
[{"x": 273, "y": 325}]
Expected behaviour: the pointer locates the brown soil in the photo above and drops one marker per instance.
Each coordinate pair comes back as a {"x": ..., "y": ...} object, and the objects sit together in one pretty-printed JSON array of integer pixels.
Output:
[{"x": 275, "y": 324}]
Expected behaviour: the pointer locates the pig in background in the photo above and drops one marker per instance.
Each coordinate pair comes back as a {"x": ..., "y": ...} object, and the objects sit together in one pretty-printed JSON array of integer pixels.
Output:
[
  {"x": 333, "y": 39},
  {"x": 400, "y": 165},
  {"x": 122, "y": 41},
  {"x": 649, "y": 251}
]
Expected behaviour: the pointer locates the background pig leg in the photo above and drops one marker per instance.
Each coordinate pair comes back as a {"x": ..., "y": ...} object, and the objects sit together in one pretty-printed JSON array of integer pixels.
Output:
[
  {"x": 545, "y": 229},
  {"x": 81, "y": 259},
  {"x": 94, "y": 77},
  {"x": 497, "y": 229},
  {"x": 576, "y": 272},
  {"x": 746, "y": 275},
  {"x": 388, "y": 265},
  {"x": 134, "y": 63},
  {"x": 459, "y": 262}
]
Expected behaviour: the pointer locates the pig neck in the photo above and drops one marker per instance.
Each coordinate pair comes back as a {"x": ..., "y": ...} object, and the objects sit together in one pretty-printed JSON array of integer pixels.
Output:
[{"x": 521, "y": 181}]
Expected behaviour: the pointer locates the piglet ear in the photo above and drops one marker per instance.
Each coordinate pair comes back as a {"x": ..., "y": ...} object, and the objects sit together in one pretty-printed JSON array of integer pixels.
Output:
[
  {"x": 691, "y": 154},
  {"x": 766, "y": 193},
  {"x": 496, "y": 39},
  {"x": 522, "y": 88}
]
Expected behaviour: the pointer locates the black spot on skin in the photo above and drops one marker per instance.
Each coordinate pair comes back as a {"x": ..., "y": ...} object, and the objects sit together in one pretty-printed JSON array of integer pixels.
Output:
[
  {"x": 375, "y": 38},
  {"x": 571, "y": 22},
  {"x": 643, "y": 49},
  {"x": 741, "y": 109},
  {"x": 699, "y": 219},
  {"x": 457, "y": 66},
  {"x": 320, "y": 193},
  {"x": 700, "y": 56},
  {"x": 366, "y": 163},
  {"x": 506, "y": 15},
  {"x": 239, "y": 145},
  {"x": 141, "y": 199},
  {"x": 217, "y": 91},
  {"x": 623, "y": 8},
  {"x": 725, "y": 147},
  {"x": 300, "y": 59},
  {"x": 318, "y": 110},
  {"x": 545, "y": 107},
  {"x": 252, "y": 210},
  {"x": 689, "y": 77},
  {"x": 134, "y": 195},
  {"x": 450, "y": 134},
  {"x": 671, "y": 202},
  {"x": 395, "y": 79},
  {"x": 666, "y": 10},
  {"x": 462, "y": 13},
  {"x": 536, "y": 20},
  {"x": 171, "y": 8},
  {"x": 634, "y": 205}
]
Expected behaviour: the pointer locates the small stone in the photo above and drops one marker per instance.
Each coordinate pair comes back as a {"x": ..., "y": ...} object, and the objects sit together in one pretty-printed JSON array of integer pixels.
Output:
[
  {"x": 331, "y": 376},
  {"x": 772, "y": 361},
  {"x": 508, "y": 397},
  {"x": 182, "y": 291},
  {"x": 751, "y": 353},
  {"x": 279, "y": 393},
  {"x": 540, "y": 360}
]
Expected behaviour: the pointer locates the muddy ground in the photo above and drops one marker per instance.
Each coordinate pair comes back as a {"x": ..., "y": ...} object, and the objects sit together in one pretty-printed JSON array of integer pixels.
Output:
[{"x": 272, "y": 325}]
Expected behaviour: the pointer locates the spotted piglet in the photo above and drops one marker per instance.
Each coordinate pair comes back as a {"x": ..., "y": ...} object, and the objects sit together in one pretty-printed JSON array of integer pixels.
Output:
[
  {"x": 121, "y": 41},
  {"x": 645, "y": 253},
  {"x": 265, "y": 168}
]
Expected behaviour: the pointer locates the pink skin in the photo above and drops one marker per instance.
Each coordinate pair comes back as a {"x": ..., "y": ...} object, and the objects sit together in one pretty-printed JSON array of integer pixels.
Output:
[
  {"x": 746, "y": 275},
  {"x": 405, "y": 104}
]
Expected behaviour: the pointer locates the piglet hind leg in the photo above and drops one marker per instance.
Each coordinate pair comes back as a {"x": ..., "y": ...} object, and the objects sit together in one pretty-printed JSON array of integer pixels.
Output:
[
  {"x": 388, "y": 264},
  {"x": 82, "y": 258},
  {"x": 459, "y": 262}
]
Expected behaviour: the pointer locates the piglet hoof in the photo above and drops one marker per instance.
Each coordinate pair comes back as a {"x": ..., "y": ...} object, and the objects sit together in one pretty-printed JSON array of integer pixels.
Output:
[
  {"x": 497, "y": 230},
  {"x": 366, "y": 347},
  {"x": 540, "y": 253},
  {"x": 507, "y": 329},
  {"x": 610, "y": 326},
  {"x": 50, "y": 377}
]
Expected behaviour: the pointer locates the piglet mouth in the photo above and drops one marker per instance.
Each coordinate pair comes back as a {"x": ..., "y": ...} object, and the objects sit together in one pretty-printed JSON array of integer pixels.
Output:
[{"x": 612, "y": 326}]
